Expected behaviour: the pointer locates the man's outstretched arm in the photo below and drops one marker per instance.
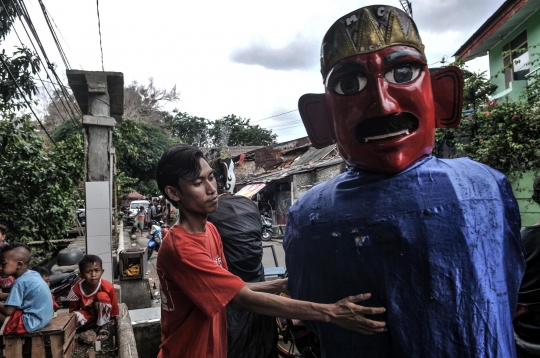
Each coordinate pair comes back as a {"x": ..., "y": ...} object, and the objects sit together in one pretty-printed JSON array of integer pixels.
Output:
[{"x": 344, "y": 313}]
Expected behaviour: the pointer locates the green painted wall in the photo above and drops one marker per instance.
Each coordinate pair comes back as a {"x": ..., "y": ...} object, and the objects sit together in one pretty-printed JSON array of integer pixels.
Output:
[
  {"x": 533, "y": 38},
  {"x": 522, "y": 188}
]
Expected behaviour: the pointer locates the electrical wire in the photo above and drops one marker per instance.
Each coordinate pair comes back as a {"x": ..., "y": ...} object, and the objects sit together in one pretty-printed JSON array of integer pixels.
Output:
[
  {"x": 63, "y": 38},
  {"x": 22, "y": 12},
  {"x": 58, "y": 93},
  {"x": 39, "y": 76},
  {"x": 24, "y": 97},
  {"x": 277, "y": 115},
  {"x": 99, "y": 28},
  {"x": 55, "y": 38}
]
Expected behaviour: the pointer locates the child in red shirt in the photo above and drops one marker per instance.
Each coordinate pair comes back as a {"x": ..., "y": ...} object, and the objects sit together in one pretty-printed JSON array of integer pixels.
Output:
[{"x": 93, "y": 299}]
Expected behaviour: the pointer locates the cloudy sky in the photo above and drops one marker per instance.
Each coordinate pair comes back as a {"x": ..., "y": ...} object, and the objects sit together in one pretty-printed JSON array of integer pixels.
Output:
[{"x": 250, "y": 58}]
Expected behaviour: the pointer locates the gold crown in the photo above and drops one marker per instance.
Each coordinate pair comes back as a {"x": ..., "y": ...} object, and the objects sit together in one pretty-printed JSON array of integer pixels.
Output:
[{"x": 365, "y": 30}]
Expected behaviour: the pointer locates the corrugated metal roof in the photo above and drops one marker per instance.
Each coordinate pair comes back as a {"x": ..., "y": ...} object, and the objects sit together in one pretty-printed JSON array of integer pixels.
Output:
[
  {"x": 313, "y": 155},
  {"x": 233, "y": 151},
  {"x": 281, "y": 173}
]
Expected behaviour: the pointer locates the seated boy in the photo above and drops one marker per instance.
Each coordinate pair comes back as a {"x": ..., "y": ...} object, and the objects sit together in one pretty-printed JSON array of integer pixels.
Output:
[
  {"x": 29, "y": 306},
  {"x": 92, "y": 298},
  {"x": 46, "y": 276}
]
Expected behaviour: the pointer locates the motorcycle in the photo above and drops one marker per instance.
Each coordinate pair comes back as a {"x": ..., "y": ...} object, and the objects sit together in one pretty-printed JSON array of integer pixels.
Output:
[
  {"x": 81, "y": 216},
  {"x": 129, "y": 218},
  {"x": 154, "y": 242},
  {"x": 267, "y": 231},
  {"x": 61, "y": 283}
]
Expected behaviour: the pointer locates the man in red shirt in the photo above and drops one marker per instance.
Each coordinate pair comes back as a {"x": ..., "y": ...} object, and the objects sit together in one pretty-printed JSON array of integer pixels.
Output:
[{"x": 195, "y": 283}]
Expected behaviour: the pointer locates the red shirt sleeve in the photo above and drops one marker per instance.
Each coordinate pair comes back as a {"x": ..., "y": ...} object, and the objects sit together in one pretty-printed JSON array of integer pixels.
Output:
[{"x": 200, "y": 273}]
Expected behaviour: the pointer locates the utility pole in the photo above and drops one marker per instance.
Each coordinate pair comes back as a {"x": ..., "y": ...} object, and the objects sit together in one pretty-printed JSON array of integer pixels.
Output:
[{"x": 100, "y": 96}]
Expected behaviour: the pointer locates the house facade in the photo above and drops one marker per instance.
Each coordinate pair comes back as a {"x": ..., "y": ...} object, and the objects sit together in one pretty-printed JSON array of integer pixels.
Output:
[
  {"x": 278, "y": 175},
  {"x": 511, "y": 34}
]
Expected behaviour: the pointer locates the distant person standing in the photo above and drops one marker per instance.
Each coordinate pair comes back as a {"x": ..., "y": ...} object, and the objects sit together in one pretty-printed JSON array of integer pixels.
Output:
[
  {"x": 141, "y": 218},
  {"x": 153, "y": 214}
]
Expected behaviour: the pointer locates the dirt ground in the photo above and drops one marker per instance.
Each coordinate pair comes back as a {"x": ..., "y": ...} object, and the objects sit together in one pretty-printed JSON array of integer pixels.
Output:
[{"x": 109, "y": 348}]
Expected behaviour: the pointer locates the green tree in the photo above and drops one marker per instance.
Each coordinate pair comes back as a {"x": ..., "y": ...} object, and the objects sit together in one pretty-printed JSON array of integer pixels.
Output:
[
  {"x": 138, "y": 148},
  {"x": 37, "y": 183},
  {"x": 22, "y": 64},
  {"x": 505, "y": 136},
  {"x": 232, "y": 130},
  {"x": 190, "y": 129},
  {"x": 38, "y": 179}
]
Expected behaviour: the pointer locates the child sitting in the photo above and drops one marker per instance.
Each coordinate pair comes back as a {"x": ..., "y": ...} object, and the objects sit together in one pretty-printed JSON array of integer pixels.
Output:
[
  {"x": 46, "y": 276},
  {"x": 5, "y": 283},
  {"x": 29, "y": 306},
  {"x": 92, "y": 298}
]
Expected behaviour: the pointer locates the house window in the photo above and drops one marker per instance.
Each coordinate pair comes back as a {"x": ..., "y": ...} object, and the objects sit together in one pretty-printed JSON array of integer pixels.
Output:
[{"x": 519, "y": 57}]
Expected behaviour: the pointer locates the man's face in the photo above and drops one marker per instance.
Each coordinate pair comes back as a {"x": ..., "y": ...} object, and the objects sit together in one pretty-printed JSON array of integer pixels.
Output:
[
  {"x": 199, "y": 196},
  {"x": 381, "y": 108}
]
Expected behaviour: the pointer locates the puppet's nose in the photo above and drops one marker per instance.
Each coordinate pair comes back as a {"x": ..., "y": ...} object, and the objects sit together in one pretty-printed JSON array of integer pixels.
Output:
[{"x": 383, "y": 104}]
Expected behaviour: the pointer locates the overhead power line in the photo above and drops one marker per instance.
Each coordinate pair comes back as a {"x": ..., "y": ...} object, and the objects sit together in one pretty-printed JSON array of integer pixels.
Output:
[
  {"x": 277, "y": 115},
  {"x": 23, "y": 14},
  {"x": 39, "y": 76},
  {"x": 24, "y": 97},
  {"x": 55, "y": 38},
  {"x": 99, "y": 28}
]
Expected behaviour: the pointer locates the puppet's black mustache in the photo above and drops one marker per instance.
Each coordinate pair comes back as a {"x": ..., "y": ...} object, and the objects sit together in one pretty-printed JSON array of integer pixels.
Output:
[{"x": 381, "y": 126}]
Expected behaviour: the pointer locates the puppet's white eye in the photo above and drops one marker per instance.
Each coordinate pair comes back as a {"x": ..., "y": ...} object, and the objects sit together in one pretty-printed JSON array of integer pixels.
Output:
[
  {"x": 402, "y": 74},
  {"x": 351, "y": 85}
]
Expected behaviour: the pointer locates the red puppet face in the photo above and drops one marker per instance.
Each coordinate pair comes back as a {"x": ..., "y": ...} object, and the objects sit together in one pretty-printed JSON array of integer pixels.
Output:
[{"x": 381, "y": 108}]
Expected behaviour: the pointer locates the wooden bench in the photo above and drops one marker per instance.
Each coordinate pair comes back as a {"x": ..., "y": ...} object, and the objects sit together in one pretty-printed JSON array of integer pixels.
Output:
[{"x": 58, "y": 334}]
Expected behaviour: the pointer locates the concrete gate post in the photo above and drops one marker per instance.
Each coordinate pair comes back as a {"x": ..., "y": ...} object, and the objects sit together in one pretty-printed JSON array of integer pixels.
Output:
[{"x": 100, "y": 96}]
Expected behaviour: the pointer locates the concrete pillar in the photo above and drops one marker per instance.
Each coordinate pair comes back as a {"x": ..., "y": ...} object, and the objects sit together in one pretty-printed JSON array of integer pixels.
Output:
[{"x": 98, "y": 95}]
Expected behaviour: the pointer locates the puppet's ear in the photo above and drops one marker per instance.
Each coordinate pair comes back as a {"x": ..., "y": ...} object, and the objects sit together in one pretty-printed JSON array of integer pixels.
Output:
[
  {"x": 447, "y": 84},
  {"x": 318, "y": 126}
]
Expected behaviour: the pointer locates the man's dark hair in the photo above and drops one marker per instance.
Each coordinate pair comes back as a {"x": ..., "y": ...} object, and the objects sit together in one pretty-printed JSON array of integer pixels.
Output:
[
  {"x": 20, "y": 251},
  {"x": 3, "y": 229},
  {"x": 89, "y": 260},
  {"x": 43, "y": 271},
  {"x": 178, "y": 161}
]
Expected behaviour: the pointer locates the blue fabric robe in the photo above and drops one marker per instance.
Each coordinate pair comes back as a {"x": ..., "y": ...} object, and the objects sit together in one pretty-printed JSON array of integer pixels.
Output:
[{"x": 438, "y": 245}]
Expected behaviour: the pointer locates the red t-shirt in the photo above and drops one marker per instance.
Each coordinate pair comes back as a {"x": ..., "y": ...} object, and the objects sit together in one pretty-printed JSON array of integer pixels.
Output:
[
  {"x": 80, "y": 300},
  {"x": 195, "y": 288}
]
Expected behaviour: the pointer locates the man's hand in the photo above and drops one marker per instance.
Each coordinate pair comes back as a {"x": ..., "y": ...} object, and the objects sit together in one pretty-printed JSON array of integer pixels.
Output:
[{"x": 347, "y": 314}]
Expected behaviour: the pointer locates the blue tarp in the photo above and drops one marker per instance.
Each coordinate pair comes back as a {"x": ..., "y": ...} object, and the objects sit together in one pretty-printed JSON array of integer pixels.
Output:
[{"x": 438, "y": 245}]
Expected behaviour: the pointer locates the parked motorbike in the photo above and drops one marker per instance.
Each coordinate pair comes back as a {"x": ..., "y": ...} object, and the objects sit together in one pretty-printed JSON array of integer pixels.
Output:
[
  {"x": 68, "y": 274},
  {"x": 61, "y": 285},
  {"x": 267, "y": 231},
  {"x": 154, "y": 242},
  {"x": 81, "y": 216},
  {"x": 129, "y": 219}
]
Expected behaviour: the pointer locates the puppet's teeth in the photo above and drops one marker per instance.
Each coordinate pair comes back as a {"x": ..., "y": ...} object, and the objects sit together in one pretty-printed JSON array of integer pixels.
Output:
[{"x": 383, "y": 136}]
